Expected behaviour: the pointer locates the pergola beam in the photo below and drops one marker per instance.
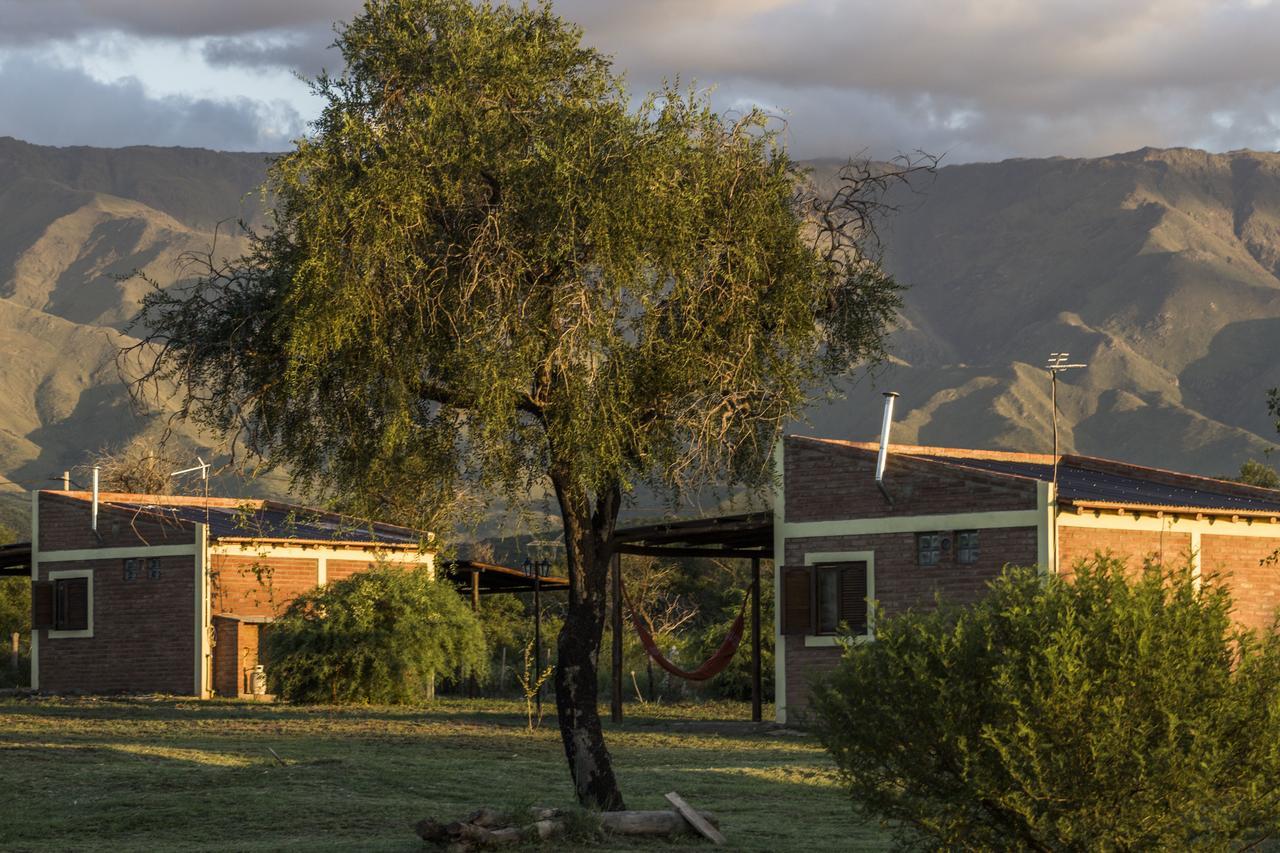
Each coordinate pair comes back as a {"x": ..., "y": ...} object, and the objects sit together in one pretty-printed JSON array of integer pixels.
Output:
[{"x": 681, "y": 551}]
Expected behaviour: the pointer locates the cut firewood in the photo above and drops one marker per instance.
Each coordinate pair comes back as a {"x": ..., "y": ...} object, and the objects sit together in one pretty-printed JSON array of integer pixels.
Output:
[
  {"x": 708, "y": 831},
  {"x": 649, "y": 823},
  {"x": 486, "y": 817},
  {"x": 487, "y": 828}
]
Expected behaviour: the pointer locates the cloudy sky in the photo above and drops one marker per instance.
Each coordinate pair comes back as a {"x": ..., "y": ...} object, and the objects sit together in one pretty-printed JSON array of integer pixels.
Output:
[{"x": 976, "y": 79}]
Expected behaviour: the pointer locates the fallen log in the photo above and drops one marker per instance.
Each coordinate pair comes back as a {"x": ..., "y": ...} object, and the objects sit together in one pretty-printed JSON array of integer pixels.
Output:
[
  {"x": 650, "y": 823},
  {"x": 488, "y": 828}
]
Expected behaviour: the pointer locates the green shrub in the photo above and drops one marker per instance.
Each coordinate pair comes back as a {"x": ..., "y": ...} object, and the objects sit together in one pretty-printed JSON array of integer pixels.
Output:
[
  {"x": 380, "y": 636},
  {"x": 15, "y": 617},
  {"x": 1102, "y": 713}
]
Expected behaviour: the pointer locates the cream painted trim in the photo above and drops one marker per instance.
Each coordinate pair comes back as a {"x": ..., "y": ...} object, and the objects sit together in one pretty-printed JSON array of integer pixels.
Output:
[
  {"x": 426, "y": 558},
  {"x": 1046, "y": 529},
  {"x": 1195, "y": 559},
  {"x": 869, "y": 557},
  {"x": 910, "y": 523},
  {"x": 66, "y": 574},
  {"x": 80, "y": 554},
  {"x": 1151, "y": 523},
  {"x": 200, "y": 582},
  {"x": 779, "y": 557},
  {"x": 322, "y": 570},
  {"x": 35, "y": 576}
]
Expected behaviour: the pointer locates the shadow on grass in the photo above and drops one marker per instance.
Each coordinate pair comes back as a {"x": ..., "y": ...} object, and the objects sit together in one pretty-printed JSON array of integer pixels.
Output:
[{"x": 134, "y": 774}]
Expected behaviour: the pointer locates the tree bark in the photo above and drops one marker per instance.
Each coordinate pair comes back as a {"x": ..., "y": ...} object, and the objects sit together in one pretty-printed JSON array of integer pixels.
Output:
[{"x": 588, "y": 535}]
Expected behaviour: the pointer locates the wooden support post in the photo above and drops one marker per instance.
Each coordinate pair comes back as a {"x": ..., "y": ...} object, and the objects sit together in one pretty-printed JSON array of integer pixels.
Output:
[
  {"x": 473, "y": 688},
  {"x": 537, "y": 635},
  {"x": 756, "y": 714},
  {"x": 616, "y": 710},
  {"x": 13, "y": 651}
]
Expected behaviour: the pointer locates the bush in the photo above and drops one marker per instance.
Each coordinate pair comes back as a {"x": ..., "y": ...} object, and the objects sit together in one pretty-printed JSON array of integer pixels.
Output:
[
  {"x": 1102, "y": 713},
  {"x": 381, "y": 636}
]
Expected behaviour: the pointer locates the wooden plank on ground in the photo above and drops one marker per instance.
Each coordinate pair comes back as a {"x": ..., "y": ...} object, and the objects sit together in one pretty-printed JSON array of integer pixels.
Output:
[{"x": 696, "y": 820}]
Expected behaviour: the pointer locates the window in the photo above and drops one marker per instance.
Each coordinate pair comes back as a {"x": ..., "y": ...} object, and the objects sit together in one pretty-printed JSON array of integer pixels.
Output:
[
  {"x": 153, "y": 568},
  {"x": 63, "y": 604},
  {"x": 840, "y": 596},
  {"x": 932, "y": 548},
  {"x": 71, "y": 604},
  {"x": 130, "y": 569},
  {"x": 967, "y": 546}
]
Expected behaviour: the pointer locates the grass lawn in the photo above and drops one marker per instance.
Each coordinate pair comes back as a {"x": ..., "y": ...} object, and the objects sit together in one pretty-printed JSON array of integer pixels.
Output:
[{"x": 172, "y": 774}]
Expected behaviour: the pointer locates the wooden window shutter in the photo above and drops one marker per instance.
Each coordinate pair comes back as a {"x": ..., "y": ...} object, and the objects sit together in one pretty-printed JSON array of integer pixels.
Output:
[
  {"x": 853, "y": 596},
  {"x": 41, "y": 604},
  {"x": 76, "y": 617},
  {"x": 797, "y": 600}
]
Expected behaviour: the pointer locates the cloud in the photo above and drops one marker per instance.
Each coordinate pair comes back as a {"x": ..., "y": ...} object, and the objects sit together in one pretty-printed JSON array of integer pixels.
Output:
[
  {"x": 28, "y": 20},
  {"x": 980, "y": 79},
  {"x": 52, "y": 105}
]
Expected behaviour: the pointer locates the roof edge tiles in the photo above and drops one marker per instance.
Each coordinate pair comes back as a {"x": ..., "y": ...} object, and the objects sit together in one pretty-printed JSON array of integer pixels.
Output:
[
  {"x": 179, "y": 509},
  {"x": 314, "y": 543},
  {"x": 1103, "y": 478},
  {"x": 1083, "y": 505},
  {"x": 957, "y": 453}
]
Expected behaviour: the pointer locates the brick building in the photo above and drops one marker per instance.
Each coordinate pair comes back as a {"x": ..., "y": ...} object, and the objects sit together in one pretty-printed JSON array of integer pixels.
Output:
[
  {"x": 947, "y": 521},
  {"x": 168, "y": 594}
]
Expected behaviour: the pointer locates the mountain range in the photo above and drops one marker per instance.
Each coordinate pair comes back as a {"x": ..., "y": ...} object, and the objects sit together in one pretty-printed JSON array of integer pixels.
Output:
[{"x": 1159, "y": 269}]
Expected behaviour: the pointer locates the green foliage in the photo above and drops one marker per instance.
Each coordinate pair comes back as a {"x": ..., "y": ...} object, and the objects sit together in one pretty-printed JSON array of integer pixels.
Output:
[
  {"x": 379, "y": 636},
  {"x": 1257, "y": 473},
  {"x": 690, "y": 605},
  {"x": 735, "y": 681},
  {"x": 485, "y": 262},
  {"x": 1108, "y": 712}
]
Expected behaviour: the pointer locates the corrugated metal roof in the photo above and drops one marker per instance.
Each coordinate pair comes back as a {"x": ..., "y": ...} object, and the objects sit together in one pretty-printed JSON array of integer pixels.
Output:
[
  {"x": 1077, "y": 483},
  {"x": 275, "y": 522}
]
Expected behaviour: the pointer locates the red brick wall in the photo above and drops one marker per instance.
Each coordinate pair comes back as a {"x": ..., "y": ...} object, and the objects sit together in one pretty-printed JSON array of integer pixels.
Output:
[
  {"x": 336, "y": 570},
  {"x": 143, "y": 632},
  {"x": 1254, "y": 583},
  {"x": 1132, "y": 546},
  {"x": 827, "y": 482},
  {"x": 65, "y": 524},
  {"x": 901, "y": 585},
  {"x": 805, "y": 666},
  {"x": 259, "y": 585}
]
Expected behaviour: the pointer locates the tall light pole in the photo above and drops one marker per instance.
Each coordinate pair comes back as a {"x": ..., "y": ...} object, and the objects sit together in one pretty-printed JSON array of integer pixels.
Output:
[{"x": 1057, "y": 363}]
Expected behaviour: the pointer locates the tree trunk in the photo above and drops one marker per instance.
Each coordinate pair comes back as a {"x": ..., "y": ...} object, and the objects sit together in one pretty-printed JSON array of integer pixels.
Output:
[{"x": 588, "y": 538}]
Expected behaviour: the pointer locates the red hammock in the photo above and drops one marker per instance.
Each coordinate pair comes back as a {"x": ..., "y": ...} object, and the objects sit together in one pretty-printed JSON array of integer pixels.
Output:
[{"x": 713, "y": 666}]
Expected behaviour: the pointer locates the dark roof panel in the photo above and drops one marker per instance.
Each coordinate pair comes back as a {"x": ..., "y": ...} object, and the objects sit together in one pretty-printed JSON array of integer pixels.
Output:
[
  {"x": 278, "y": 522},
  {"x": 1077, "y": 483}
]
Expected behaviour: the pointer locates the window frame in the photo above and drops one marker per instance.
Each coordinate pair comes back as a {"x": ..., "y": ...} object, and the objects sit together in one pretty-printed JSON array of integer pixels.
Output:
[
  {"x": 812, "y": 561},
  {"x": 975, "y": 548},
  {"x": 72, "y": 574}
]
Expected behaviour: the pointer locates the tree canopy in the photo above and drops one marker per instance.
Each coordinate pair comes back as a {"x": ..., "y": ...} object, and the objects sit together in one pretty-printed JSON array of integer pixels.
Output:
[{"x": 488, "y": 269}]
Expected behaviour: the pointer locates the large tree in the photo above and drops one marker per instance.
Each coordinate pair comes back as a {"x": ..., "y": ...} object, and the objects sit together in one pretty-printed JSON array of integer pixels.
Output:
[{"x": 489, "y": 269}]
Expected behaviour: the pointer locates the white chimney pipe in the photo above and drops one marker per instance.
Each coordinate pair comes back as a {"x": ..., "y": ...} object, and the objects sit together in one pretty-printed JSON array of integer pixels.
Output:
[
  {"x": 93, "y": 517},
  {"x": 885, "y": 427}
]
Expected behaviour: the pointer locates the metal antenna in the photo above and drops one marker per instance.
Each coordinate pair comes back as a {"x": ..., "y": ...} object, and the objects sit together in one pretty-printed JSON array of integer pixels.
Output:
[
  {"x": 1056, "y": 364},
  {"x": 203, "y": 468}
]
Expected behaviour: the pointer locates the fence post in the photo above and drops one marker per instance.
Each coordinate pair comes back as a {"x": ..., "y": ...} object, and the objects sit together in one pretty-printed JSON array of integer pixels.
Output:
[{"x": 616, "y": 704}]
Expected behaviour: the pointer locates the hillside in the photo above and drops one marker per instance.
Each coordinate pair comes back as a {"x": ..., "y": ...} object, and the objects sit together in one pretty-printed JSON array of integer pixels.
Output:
[
  {"x": 73, "y": 222},
  {"x": 1158, "y": 268}
]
